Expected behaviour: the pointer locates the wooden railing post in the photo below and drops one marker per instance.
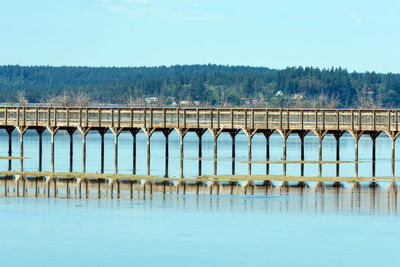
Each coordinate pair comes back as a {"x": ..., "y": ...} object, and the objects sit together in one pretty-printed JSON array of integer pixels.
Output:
[
  {"x": 184, "y": 118},
  {"x": 316, "y": 119},
  {"x": 144, "y": 118},
  {"x": 24, "y": 111},
  {"x": 245, "y": 118},
  {"x": 337, "y": 119},
  {"x": 231, "y": 118},
  {"x": 55, "y": 116},
  {"x": 211, "y": 119},
  {"x": 164, "y": 118},
  {"x": 18, "y": 116},
  {"x": 131, "y": 118},
  {"x": 287, "y": 119},
  {"x": 198, "y": 118},
  {"x": 68, "y": 118},
  {"x": 177, "y": 116},
  {"x": 87, "y": 117}
]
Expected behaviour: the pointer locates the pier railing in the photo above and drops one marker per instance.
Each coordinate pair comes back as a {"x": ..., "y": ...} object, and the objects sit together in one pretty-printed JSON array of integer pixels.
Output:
[{"x": 227, "y": 118}]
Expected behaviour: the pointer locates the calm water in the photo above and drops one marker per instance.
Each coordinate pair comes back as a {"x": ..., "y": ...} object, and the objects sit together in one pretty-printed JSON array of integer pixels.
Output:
[
  {"x": 299, "y": 228},
  {"x": 383, "y": 154}
]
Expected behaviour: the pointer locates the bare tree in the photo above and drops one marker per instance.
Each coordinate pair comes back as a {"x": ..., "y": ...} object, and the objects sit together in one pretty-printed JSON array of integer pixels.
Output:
[
  {"x": 367, "y": 99},
  {"x": 21, "y": 98},
  {"x": 79, "y": 99}
]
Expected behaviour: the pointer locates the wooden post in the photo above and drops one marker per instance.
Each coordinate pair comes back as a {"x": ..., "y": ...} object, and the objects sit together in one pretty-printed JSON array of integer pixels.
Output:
[
  {"x": 40, "y": 131},
  {"x": 148, "y": 133},
  {"x": 84, "y": 131},
  {"x": 337, "y": 135},
  {"x": 215, "y": 133},
  {"x": 134, "y": 132},
  {"x": 102, "y": 132},
  {"x": 166, "y": 133},
  {"x": 71, "y": 132},
  {"x": 9, "y": 132},
  {"x": 267, "y": 134},
  {"x": 250, "y": 134},
  {"x": 233, "y": 134},
  {"x": 285, "y": 134},
  {"x": 357, "y": 135},
  {"x": 116, "y": 131},
  {"x": 320, "y": 134},
  {"x": 373, "y": 136},
  {"x": 302, "y": 135},
  {"x": 200, "y": 133},
  {"x": 182, "y": 133},
  {"x": 22, "y": 130}
]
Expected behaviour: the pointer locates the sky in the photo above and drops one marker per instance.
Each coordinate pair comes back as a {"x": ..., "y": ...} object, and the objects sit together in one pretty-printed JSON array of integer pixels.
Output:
[{"x": 360, "y": 35}]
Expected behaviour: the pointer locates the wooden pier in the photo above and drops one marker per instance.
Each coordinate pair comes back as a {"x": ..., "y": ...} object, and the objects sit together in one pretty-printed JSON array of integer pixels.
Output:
[{"x": 301, "y": 122}]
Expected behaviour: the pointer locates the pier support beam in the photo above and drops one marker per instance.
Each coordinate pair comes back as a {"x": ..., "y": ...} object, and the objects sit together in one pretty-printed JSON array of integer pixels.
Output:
[
  {"x": 53, "y": 130},
  {"x": 215, "y": 133},
  {"x": 40, "y": 131},
  {"x": 149, "y": 132},
  {"x": 337, "y": 135},
  {"x": 84, "y": 131},
  {"x": 71, "y": 132},
  {"x": 22, "y": 130},
  {"x": 199, "y": 134},
  {"x": 373, "y": 136},
  {"x": 166, "y": 133},
  {"x": 250, "y": 133},
  {"x": 357, "y": 135},
  {"x": 116, "y": 131},
  {"x": 102, "y": 132},
  {"x": 302, "y": 135},
  {"x": 267, "y": 135},
  {"x": 182, "y": 132},
  {"x": 393, "y": 136},
  {"x": 134, "y": 132},
  {"x": 233, "y": 134},
  {"x": 9, "y": 130},
  {"x": 320, "y": 134},
  {"x": 285, "y": 134}
]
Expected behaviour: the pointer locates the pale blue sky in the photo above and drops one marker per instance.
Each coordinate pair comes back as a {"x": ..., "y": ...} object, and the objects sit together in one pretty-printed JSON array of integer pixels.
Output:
[{"x": 357, "y": 35}]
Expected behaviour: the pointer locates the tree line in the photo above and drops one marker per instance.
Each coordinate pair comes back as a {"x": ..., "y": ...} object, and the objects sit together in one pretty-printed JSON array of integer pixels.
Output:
[{"x": 211, "y": 85}]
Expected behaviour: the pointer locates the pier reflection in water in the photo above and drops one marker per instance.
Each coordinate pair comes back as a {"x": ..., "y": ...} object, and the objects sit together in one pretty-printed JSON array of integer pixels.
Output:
[{"x": 320, "y": 199}]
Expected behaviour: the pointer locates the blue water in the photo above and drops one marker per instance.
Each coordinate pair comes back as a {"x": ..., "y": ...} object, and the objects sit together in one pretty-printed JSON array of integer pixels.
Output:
[{"x": 191, "y": 231}]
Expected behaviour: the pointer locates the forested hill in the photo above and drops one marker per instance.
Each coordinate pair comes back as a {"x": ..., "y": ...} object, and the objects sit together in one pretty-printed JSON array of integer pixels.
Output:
[{"x": 207, "y": 84}]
